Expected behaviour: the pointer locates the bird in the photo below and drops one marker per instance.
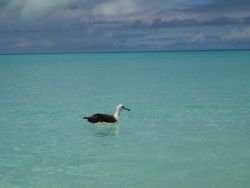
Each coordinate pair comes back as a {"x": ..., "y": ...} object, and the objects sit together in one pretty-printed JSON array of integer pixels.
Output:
[{"x": 106, "y": 118}]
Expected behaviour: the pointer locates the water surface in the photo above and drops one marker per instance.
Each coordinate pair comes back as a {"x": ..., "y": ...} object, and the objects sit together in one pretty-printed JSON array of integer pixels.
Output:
[{"x": 188, "y": 126}]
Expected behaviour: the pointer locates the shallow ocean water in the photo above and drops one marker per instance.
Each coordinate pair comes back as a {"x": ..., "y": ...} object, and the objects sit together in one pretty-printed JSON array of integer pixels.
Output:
[{"x": 189, "y": 124}]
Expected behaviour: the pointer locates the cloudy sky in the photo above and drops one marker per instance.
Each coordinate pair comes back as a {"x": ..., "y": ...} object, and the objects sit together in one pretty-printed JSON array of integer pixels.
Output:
[{"x": 123, "y": 25}]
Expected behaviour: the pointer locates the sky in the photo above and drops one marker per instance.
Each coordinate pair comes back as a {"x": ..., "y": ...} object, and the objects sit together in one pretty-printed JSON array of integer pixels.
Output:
[{"x": 57, "y": 26}]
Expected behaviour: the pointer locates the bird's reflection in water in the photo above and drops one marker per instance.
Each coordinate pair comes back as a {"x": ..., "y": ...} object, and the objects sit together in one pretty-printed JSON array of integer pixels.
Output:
[{"x": 104, "y": 130}]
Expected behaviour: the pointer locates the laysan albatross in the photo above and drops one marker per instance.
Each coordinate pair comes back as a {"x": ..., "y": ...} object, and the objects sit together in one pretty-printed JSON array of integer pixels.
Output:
[{"x": 106, "y": 118}]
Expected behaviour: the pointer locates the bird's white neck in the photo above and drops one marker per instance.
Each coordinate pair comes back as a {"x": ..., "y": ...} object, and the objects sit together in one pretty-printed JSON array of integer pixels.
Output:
[{"x": 117, "y": 113}]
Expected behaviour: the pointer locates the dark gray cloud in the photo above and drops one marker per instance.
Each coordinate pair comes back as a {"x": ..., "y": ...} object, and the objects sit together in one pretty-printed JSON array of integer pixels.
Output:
[
  {"x": 219, "y": 6},
  {"x": 116, "y": 25},
  {"x": 219, "y": 21},
  {"x": 3, "y": 4}
]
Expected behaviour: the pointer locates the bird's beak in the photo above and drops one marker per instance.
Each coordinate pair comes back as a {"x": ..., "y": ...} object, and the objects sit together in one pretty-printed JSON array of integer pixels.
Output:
[{"x": 126, "y": 108}]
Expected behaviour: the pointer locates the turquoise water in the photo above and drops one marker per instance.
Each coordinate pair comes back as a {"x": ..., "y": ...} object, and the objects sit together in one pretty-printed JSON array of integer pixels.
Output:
[{"x": 189, "y": 125}]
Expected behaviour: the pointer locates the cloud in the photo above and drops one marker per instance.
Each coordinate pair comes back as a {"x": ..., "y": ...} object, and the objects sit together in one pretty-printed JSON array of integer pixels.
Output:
[
  {"x": 106, "y": 25},
  {"x": 37, "y": 8},
  {"x": 33, "y": 10},
  {"x": 173, "y": 23},
  {"x": 3, "y": 3},
  {"x": 237, "y": 34},
  {"x": 192, "y": 22},
  {"x": 199, "y": 38},
  {"x": 219, "y": 7},
  {"x": 126, "y": 10},
  {"x": 115, "y": 8}
]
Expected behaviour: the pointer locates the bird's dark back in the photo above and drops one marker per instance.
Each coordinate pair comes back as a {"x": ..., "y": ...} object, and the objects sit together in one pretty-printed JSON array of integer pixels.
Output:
[{"x": 96, "y": 118}]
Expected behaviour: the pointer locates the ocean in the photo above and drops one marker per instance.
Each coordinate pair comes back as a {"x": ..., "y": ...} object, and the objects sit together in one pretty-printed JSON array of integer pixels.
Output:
[{"x": 189, "y": 124}]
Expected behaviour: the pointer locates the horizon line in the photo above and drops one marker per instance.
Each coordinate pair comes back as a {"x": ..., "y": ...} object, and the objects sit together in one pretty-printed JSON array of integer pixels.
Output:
[{"x": 139, "y": 51}]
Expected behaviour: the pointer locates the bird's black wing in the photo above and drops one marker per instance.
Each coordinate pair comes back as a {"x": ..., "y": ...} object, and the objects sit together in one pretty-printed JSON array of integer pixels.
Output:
[{"x": 96, "y": 118}]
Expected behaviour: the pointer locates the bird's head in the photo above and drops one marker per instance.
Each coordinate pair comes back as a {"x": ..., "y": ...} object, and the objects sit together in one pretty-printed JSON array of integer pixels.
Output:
[{"x": 122, "y": 107}]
